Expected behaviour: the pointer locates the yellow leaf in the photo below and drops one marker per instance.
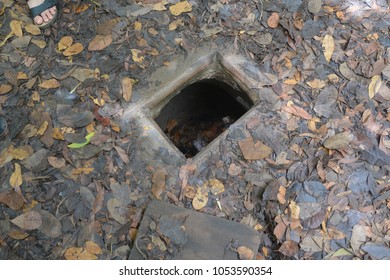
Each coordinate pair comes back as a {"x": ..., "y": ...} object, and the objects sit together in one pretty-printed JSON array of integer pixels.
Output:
[
  {"x": 174, "y": 24},
  {"x": 32, "y": 29},
  {"x": 43, "y": 128},
  {"x": 328, "y": 45},
  {"x": 93, "y": 248},
  {"x": 57, "y": 134},
  {"x": 316, "y": 84},
  {"x": 76, "y": 253},
  {"x": 290, "y": 82},
  {"x": 294, "y": 210},
  {"x": 40, "y": 43},
  {"x": 100, "y": 42},
  {"x": 245, "y": 253},
  {"x": 16, "y": 27},
  {"x": 159, "y": 7},
  {"x": 82, "y": 170},
  {"x": 374, "y": 86},
  {"x": 20, "y": 153},
  {"x": 73, "y": 49},
  {"x": 21, "y": 76},
  {"x": 179, "y": 8},
  {"x": 137, "y": 26},
  {"x": 99, "y": 101},
  {"x": 127, "y": 88},
  {"x": 216, "y": 187},
  {"x": 48, "y": 84},
  {"x": 16, "y": 178},
  {"x": 65, "y": 43},
  {"x": 5, "y": 89},
  {"x": 137, "y": 55},
  {"x": 201, "y": 198}
]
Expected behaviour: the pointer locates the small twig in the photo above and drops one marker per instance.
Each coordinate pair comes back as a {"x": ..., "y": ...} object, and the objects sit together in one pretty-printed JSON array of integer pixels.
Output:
[{"x": 138, "y": 249}]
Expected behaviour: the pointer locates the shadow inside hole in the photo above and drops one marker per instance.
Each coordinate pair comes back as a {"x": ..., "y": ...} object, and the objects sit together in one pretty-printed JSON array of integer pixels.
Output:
[{"x": 200, "y": 113}]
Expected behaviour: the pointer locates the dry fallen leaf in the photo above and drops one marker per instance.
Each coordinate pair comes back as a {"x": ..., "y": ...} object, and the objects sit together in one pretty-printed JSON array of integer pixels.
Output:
[
  {"x": 74, "y": 49},
  {"x": 216, "y": 187},
  {"x": 273, "y": 20},
  {"x": 50, "y": 84},
  {"x": 65, "y": 43},
  {"x": 100, "y": 42},
  {"x": 137, "y": 55},
  {"x": 5, "y": 89},
  {"x": 56, "y": 162},
  {"x": 16, "y": 27},
  {"x": 254, "y": 150},
  {"x": 317, "y": 84},
  {"x": 93, "y": 248},
  {"x": 75, "y": 253},
  {"x": 158, "y": 182},
  {"x": 181, "y": 7},
  {"x": 328, "y": 45},
  {"x": 201, "y": 198},
  {"x": 29, "y": 221},
  {"x": 289, "y": 248},
  {"x": 127, "y": 88},
  {"x": 338, "y": 141},
  {"x": 244, "y": 253},
  {"x": 374, "y": 86},
  {"x": 16, "y": 177},
  {"x": 33, "y": 29},
  {"x": 12, "y": 199},
  {"x": 281, "y": 196}
]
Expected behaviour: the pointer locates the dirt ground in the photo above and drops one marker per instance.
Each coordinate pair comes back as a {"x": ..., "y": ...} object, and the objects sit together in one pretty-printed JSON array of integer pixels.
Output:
[{"x": 308, "y": 168}]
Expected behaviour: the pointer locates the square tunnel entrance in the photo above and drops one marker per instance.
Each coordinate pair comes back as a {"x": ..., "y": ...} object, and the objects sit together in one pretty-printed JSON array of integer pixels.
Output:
[{"x": 200, "y": 112}]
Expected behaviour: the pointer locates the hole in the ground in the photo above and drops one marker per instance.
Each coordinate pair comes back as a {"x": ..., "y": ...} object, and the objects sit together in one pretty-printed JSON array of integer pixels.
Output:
[{"x": 200, "y": 112}]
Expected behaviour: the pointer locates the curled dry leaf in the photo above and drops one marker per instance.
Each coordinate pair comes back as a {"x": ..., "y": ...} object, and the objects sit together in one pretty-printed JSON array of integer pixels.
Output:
[
  {"x": 5, "y": 89},
  {"x": 244, "y": 253},
  {"x": 16, "y": 27},
  {"x": 29, "y": 221}
]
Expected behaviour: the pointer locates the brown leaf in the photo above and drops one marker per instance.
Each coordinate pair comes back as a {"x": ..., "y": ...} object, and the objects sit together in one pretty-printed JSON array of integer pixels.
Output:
[
  {"x": 117, "y": 211},
  {"x": 297, "y": 111},
  {"x": 273, "y": 20},
  {"x": 16, "y": 27},
  {"x": 234, "y": 170},
  {"x": 254, "y": 150},
  {"x": 127, "y": 88},
  {"x": 93, "y": 248},
  {"x": 281, "y": 196},
  {"x": 12, "y": 199},
  {"x": 289, "y": 248},
  {"x": 75, "y": 253},
  {"x": 122, "y": 154},
  {"x": 99, "y": 199},
  {"x": 18, "y": 234},
  {"x": 245, "y": 253},
  {"x": 5, "y": 89},
  {"x": 56, "y": 162},
  {"x": 280, "y": 230},
  {"x": 30, "y": 220},
  {"x": 49, "y": 84},
  {"x": 158, "y": 182},
  {"x": 74, "y": 49},
  {"x": 51, "y": 226},
  {"x": 65, "y": 43},
  {"x": 100, "y": 42},
  {"x": 338, "y": 141}
]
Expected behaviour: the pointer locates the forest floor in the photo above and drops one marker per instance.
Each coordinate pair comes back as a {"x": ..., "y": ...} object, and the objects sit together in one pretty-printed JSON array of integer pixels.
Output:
[{"x": 307, "y": 168}]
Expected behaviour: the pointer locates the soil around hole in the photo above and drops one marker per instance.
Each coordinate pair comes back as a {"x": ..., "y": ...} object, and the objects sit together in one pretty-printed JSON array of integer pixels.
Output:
[{"x": 200, "y": 113}]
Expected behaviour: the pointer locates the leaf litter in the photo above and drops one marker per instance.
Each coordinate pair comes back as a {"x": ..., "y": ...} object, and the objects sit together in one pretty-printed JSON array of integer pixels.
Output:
[{"x": 309, "y": 165}]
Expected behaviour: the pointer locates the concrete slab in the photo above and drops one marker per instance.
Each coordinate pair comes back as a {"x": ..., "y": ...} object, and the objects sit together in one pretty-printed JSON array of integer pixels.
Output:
[{"x": 190, "y": 235}]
